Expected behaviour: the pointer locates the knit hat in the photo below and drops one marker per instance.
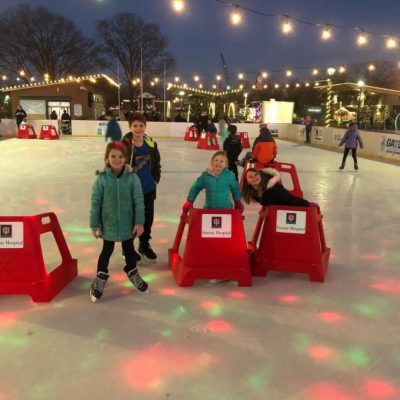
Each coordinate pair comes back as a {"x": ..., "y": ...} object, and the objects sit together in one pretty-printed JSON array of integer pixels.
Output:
[{"x": 263, "y": 125}]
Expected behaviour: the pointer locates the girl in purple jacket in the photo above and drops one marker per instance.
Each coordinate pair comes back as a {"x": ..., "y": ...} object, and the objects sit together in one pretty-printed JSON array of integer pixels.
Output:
[{"x": 351, "y": 139}]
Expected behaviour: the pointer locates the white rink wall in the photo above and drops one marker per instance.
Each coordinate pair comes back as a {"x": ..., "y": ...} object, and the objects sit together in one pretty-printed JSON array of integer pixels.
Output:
[{"x": 379, "y": 145}]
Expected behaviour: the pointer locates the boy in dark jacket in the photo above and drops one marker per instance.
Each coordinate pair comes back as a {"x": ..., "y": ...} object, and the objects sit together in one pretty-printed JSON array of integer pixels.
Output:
[
  {"x": 113, "y": 129},
  {"x": 144, "y": 158},
  {"x": 233, "y": 147}
]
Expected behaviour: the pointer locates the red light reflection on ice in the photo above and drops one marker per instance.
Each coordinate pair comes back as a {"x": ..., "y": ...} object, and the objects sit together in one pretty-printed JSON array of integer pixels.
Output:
[
  {"x": 163, "y": 241},
  {"x": 58, "y": 211},
  {"x": 379, "y": 389},
  {"x": 151, "y": 367},
  {"x": 7, "y": 318},
  {"x": 168, "y": 291},
  {"x": 370, "y": 257},
  {"x": 320, "y": 352},
  {"x": 392, "y": 287},
  {"x": 219, "y": 326},
  {"x": 88, "y": 250},
  {"x": 289, "y": 299},
  {"x": 208, "y": 305},
  {"x": 41, "y": 202},
  {"x": 118, "y": 277},
  {"x": 331, "y": 316},
  {"x": 328, "y": 391},
  {"x": 88, "y": 271},
  {"x": 237, "y": 295}
]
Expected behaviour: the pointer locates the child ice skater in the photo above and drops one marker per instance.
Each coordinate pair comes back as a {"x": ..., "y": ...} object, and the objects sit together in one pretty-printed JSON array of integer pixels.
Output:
[
  {"x": 220, "y": 185},
  {"x": 144, "y": 158},
  {"x": 116, "y": 215},
  {"x": 264, "y": 187},
  {"x": 350, "y": 140}
]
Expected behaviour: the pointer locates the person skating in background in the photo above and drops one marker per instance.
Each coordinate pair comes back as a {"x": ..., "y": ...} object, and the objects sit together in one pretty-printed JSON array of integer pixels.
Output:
[
  {"x": 308, "y": 124},
  {"x": 53, "y": 115},
  {"x": 222, "y": 189},
  {"x": 222, "y": 131},
  {"x": 19, "y": 115},
  {"x": 211, "y": 128},
  {"x": 144, "y": 158},
  {"x": 113, "y": 130},
  {"x": 116, "y": 215},
  {"x": 233, "y": 147},
  {"x": 351, "y": 140},
  {"x": 264, "y": 148}
]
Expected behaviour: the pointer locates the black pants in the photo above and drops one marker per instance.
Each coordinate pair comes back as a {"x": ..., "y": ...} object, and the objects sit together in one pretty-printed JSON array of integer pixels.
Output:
[
  {"x": 148, "y": 216},
  {"x": 353, "y": 153},
  {"x": 308, "y": 134},
  {"x": 108, "y": 248},
  {"x": 232, "y": 166}
]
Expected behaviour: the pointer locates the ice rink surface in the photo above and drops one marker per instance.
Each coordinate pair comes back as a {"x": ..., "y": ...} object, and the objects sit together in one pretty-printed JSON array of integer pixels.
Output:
[{"x": 283, "y": 338}]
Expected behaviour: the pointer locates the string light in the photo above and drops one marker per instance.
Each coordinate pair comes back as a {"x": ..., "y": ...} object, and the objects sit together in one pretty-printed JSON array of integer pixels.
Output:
[
  {"x": 371, "y": 67},
  {"x": 265, "y": 86},
  {"x": 236, "y": 17},
  {"x": 289, "y": 73},
  {"x": 178, "y": 5},
  {"x": 391, "y": 43},
  {"x": 326, "y": 33},
  {"x": 287, "y": 26},
  {"x": 276, "y": 86},
  {"x": 196, "y": 78},
  {"x": 176, "y": 79},
  {"x": 362, "y": 39},
  {"x": 264, "y": 75},
  {"x": 240, "y": 76},
  {"x": 331, "y": 70},
  {"x": 315, "y": 71},
  {"x": 342, "y": 70},
  {"x": 218, "y": 77}
]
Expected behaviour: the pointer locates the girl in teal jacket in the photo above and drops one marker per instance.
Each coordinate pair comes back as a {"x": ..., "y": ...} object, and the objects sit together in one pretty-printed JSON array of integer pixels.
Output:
[
  {"x": 220, "y": 184},
  {"x": 116, "y": 215}
]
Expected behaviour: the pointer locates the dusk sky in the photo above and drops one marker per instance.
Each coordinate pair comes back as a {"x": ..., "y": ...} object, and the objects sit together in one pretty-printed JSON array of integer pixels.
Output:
[{"x": 197, "y": 36}]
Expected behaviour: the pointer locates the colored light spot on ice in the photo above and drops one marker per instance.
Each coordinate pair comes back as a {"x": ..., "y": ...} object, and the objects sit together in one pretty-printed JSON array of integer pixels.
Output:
[
  {"x": 320, "y": 352},
  {"x": 213, "y": 308},
  {"x": 219, "y": 326},
  {"x": 118, "y": 277},
  {"x": 168, "y": 291},
  {"x": 289, "y": 299},
  {"x": 237, "y": 295},
  {"x": 150, "y": 277},
  {"x": 7, "y": 318},
  {"x": 331, "y": 317},
  {"x": 41, "y": 202},
  {"x": 379, "y": 389},
  {"x": 370, "y": 257},
  {"x": 328, "y": 391},
  {"x": 357, "y": 357}
]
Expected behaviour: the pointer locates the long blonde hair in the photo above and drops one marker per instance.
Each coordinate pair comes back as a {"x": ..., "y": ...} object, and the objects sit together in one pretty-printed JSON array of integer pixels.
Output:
[{"x": 215, "y": 155}]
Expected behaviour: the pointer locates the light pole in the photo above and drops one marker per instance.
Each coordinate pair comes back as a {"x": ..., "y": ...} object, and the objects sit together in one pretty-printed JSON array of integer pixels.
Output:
[{"x": 360, "y": 85}]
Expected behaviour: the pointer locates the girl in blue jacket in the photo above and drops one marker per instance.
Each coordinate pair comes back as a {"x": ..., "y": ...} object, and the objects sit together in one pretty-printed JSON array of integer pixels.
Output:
[
  {"x": 116, "y": 215},
  {"x": 220, "y": 184}
]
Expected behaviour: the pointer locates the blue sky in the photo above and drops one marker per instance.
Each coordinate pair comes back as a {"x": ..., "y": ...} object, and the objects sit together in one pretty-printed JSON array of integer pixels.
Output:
[{"x": 198, "y": 36}]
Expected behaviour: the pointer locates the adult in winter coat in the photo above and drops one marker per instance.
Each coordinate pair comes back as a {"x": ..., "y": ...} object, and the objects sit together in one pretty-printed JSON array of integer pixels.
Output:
[
  {"x": 232, "y": 148},
  {"x": 19, "y": 115},
  {"x": 264, "y": 147},
  {"x": 113, "y": 130},
  {"x": 351, "y": 140}
]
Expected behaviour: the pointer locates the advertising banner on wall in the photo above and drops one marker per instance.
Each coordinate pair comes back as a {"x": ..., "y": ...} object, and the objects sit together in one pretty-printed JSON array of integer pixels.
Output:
[
  {"x": 102, "y": 127},
  {"x": 319, "y": 134},
  {"x": 390, "y": 146}
]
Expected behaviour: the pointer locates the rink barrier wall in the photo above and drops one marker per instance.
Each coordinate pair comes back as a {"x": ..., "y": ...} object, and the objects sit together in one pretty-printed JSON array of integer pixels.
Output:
[{"x": 377, "y": 145}]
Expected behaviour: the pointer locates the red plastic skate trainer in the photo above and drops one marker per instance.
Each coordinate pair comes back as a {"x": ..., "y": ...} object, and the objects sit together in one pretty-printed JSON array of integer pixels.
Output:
[
  {"x": 292, "y": 240},
  {"x": 26, "y": 131},
  {"x": 244, "y": 139},
  {"x": 49, "y": 132},
  {"x": 215, "y": 248},
  {"x": 191, "y": 134},
  {"x": 22, "y": 268},
  {"x": 205, "y": 141}
]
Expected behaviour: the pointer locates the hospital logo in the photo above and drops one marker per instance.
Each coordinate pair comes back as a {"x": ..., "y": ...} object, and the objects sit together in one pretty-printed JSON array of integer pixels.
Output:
[
  {"x": 5, "y": 231},
  {"x": 291, "y": 218},
  {"x": 216, "y": 222}
]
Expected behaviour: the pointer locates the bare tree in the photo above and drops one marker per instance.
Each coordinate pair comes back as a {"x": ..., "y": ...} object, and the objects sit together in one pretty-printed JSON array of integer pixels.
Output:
[
  {"x": 124, "y": 37},
  {"x": 38, "y": 41}
]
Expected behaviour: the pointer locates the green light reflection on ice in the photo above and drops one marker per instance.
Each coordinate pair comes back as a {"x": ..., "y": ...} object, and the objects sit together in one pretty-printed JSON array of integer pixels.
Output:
[
  {"x": 357, "y": 357},
  {"x": 70, "y": 228},
  {"x": 301, "y": 343},
  {"x": 58, "y": 304},
  {"x": 90, "y": 361},
  {"x": 215, "y": 311},
  {"x": 81, "y": 238},
  {"x": 171, "y": 220},
  {"x": 13, "y": 341},
  {"x": 166, "y": 332},
  {"x": 86, "y": 285},
  {"x": 150, "y": 277},
  {"x": 180, "y": 311},
  {"x": 42, "y": 391},
  {"x": 102, "y": 334},
  {"x": 257, "y": 381},
  {"x": 369, "y": 308}
]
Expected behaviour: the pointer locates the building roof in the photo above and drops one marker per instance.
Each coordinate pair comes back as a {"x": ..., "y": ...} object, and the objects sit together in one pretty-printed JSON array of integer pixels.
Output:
[
  {"x": 354, "y": 86},
  {"x": 70, "y": 79}
]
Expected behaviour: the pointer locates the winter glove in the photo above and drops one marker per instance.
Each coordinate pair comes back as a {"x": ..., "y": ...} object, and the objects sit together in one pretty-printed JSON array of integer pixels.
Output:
[
  {"x": 187, "y": 205},
  {"x": 239, "y": 206}
]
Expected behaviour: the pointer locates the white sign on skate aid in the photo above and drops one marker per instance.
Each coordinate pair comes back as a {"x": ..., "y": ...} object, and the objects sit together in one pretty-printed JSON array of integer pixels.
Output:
[
  {"x": 216, "y": 226},
  {"x": 291, "y": 221},
  {"x": 11, "y": 235}
]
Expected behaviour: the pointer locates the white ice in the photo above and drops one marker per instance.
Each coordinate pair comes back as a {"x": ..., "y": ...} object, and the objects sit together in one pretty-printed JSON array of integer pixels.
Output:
[{"x": 283, "y": 338}]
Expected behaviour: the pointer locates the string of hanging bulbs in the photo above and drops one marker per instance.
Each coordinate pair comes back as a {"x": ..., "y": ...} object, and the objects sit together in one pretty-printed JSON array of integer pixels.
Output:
[{"x": 288, "y": 24}]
